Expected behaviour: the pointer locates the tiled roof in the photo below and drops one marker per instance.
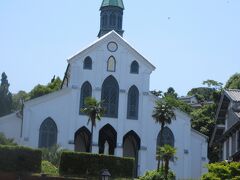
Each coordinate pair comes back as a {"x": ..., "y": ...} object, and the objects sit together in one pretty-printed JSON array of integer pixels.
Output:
[
  {"x": 234, "y": 94},
  {"x": 118, "y": 3}
]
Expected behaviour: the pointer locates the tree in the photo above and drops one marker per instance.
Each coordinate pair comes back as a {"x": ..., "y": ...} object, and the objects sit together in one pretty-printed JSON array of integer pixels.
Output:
[
  {"x": 5, "y": 96},
  {"x": 159, "y": 157},
  {"x": 163, "y": 113},
  {"x": 41, "y": 90},
  {"x": 18, "y": 100},
  {"x": 213, "y": 84},
  {"x": 233, "y": 82},
  {"x": 94, "y": 110},
  {"x": 157, "y": 93},
  {"x": 168, "y": 153},
  {"x": 171, "y": 92}
]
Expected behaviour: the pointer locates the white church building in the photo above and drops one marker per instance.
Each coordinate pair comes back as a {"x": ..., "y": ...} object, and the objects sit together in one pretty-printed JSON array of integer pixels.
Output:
[{"x": 109, "y": 69}]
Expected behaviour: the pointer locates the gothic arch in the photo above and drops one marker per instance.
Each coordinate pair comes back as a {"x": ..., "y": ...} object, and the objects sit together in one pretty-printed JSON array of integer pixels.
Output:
[
  {"x": 110, "y": 96},
  {"x": 47, "y": 133},
  {"x": 82, "y": 139},
  {"x": 111, "y": 64},
  {"x": 107, "y": 134},
  {"x": 86, "y": 91},
  {"x": 131, "y": 147},
  {"x": 168, "y": 137},
  {"x": 133, "y": 103}
]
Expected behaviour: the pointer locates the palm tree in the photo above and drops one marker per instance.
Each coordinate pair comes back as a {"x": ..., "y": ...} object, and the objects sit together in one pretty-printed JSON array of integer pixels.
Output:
[
  {"x": 168, "y": 153},
  {"x": 163, "y": 114},
  {"x": 159, "y": 157},
  {"x": 94, "y": 111}
]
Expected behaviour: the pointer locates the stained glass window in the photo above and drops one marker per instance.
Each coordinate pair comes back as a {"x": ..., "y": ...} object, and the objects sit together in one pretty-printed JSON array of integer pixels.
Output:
[
  {"x": 133, "y": 100},
  {"x": 47, "y": 134},
  {"x": 110, "y": 95},
  {"x": 111, "y": 64},
  {"x": 86, "y": 91}
]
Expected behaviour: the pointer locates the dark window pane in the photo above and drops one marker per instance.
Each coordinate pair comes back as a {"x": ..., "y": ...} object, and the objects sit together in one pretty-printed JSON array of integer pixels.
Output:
[
  {"x": 86, "y": 91},
  {"x": 47, "y": 133},
  {"x": 134, "y": 67},
  {"x": 133, "y": 100},
  {"x": 87, "y": 63},
  {"x": 110, "y": 95}
]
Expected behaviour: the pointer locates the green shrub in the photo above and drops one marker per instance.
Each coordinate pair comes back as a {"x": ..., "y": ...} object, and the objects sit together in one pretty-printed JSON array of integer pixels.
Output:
[
  {"x": 6, "y": 141},
  {"x": 82, "y": 164},
  {"x": 222, "y": 170},
  {"x": 157, "y": 175},
  {"x": 52, "y": 154},
  {"x": 49, "y": 168},
  {"x": 20, "y": 159}
]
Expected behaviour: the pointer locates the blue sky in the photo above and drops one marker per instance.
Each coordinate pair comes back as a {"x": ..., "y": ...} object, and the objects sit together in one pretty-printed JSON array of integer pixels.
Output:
[{"x": 189, "y": 41}]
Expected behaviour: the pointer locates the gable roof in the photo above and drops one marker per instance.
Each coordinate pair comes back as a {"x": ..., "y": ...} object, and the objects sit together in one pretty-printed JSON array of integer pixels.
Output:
[
  {"x": 233, "y": 94},
  {"x": 113, "y": 35}
]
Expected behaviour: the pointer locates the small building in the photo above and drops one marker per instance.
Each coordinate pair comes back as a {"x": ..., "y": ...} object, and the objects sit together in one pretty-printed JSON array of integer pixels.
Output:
[{"x": 226, "y": 133}]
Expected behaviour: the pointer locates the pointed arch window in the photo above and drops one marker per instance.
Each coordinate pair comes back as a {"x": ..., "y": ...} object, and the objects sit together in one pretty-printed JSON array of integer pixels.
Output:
[
  {"x": 110, "y": 96},
  {"x": 167, "y": 137},
  {"x": 111, "y": 64},
  {"x": 47, "y": 134},
  {"x": 120, "y": 22},
  {"x": 104, "y": 20},
  {"x": 87, "y": 64},
  {"x": 86, "y": 91},
  {"x": 134, "y": 67},
  {"x": 133, "y": 101}
]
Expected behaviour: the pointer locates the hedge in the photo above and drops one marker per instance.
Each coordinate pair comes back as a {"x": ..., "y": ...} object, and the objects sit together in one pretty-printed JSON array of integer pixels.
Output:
[
  {"x": 85, "y": 164},
  {"x": 20, "y": 159}
]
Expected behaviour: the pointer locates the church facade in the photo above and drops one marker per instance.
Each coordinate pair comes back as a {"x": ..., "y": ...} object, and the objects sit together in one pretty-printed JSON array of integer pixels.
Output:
[{"x": 111, "y": 70}]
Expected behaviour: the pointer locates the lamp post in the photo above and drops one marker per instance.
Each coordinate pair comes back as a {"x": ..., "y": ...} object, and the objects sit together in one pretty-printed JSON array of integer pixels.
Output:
[{"x": 105, "y": 174}]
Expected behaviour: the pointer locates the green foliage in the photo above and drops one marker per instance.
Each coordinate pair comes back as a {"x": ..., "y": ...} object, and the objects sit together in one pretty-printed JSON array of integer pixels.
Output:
[
  {"x": 213, "y": 84},
  {"x": 202, "y": 93},
  {"x": 41, "y": 90},
  {"x": 49, "y": 168},
  {"x": 178, "y": 104},
  {"x": 223, "y": 171},
  {"x": 157, "y": 93},
  {"x": 85, "y": 164},
  {"x": 52, "y": 154},
  {"x": 6, "y": 141},
  {"x": 18, "y": 100},
  {"x": 233, "y": 82},
  {"x": 171, "y": 92},
  {"x": 20, "y": 159},
  {"x": 157, "y": 175},
  {"x": 163, "y": 113},
  {"x": 5, "y": 96},
  {"x": 203, "y": 119}
]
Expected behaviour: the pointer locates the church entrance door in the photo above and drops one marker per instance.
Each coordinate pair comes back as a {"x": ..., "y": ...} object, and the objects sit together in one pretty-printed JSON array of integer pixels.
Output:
[{"x": 82, "y": 140}]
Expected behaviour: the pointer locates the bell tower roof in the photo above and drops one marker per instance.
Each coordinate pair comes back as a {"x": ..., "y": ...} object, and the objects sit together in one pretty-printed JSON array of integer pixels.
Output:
[{"x": 117, "y": 3}]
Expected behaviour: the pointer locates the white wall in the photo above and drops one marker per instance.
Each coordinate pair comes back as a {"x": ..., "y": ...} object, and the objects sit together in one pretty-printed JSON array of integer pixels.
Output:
[{"x": 10, "y": 126}]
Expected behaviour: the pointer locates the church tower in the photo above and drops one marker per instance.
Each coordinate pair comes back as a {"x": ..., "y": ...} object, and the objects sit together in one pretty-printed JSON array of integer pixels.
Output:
[{"x": 111, "y": 17}]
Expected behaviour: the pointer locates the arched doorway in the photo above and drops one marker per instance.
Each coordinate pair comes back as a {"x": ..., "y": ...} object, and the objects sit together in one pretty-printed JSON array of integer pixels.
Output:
[
  {"x": 82, "y": 140},
  {"x": 109, "y": 135},
  {"x": 131, "y": 147}
]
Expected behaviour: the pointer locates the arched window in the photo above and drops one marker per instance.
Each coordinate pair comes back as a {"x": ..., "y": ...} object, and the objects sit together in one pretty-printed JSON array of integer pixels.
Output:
[
  {"x": 87, "y": 64},
  {"x": 120, "y": 22},
  {"x": 47, "y": 134},
  {"x": 110, "y": 95},
  {"x": 134, "y": 67},
  {"x": 104, "y": 20},
  {"x": 86, "y": 91},
  {"x": 167, "y": 137},
  {"x": 133, "y": 100},
  {"x": 112, "y": 19},
  {"x": 111, "y": 64}
]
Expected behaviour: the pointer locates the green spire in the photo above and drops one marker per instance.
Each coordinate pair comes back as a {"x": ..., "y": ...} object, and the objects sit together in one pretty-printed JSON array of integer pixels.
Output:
[{"x": 118, "y": 3}]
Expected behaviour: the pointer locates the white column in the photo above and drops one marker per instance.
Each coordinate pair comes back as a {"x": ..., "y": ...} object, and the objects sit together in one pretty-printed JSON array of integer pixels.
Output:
[
  {"x": 224, "y": 150},
  {"x": 142, "y": 161},
  {"x": 118, "y": 151},
  {"x": 230, "y": 146}
]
